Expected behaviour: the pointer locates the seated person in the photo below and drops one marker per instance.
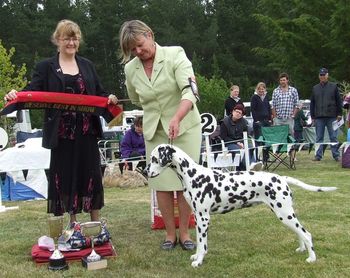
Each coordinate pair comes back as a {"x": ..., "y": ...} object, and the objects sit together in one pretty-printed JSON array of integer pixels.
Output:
[
  {"x": 231, "y": 131},
  {"x": 133, "y": 146}
]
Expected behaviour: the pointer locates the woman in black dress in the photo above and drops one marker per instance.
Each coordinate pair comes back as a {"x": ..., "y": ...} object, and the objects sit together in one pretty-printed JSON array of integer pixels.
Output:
[{"x": 75, "y": 179}]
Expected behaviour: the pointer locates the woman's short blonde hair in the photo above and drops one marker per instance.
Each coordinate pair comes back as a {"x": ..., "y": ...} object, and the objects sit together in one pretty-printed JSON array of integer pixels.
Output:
[
  {"x": 234, "y": 87},
  {"x": 128, "y": 34},
  {"x": 260, "y": 84},
  {"x": 66, "y": 28}
]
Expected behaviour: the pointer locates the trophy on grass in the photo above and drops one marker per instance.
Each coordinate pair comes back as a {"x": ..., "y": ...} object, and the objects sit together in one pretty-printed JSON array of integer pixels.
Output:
[
  {"x": 57, "y": 260},
  {"x": 94, "y": 260}
]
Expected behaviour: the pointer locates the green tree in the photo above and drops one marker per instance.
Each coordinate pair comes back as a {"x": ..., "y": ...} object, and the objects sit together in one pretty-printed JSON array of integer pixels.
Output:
[
  {"x": 100, "y": 46},
  {"x": 238, "y": 33},
  {"x": 242, "y": 42},
  {"x": 340, "y": 40},
  {"x": 23, "y": 19},
  {"x": 297, "y": 39},
  {"x": 213, "y": 93},
  {"x": 188, "y": 24},
  {"x": 11, "y": 77}
]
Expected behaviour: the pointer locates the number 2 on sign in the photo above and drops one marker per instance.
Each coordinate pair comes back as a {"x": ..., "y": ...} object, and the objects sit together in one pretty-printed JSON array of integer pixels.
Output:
[{"x": 208, "y": 123}]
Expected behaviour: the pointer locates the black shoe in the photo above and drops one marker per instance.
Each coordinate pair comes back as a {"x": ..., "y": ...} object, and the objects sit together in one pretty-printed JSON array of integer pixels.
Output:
[
  {"x": 316, "y": 159},
  {"x": 168, "y": 245},
  {"x": 187, "y": 245},
  {"x": 337, "y": 159}
]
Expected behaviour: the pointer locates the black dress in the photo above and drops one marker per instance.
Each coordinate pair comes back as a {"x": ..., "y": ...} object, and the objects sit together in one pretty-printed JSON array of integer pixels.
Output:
[{"x": 75, "y": 179}]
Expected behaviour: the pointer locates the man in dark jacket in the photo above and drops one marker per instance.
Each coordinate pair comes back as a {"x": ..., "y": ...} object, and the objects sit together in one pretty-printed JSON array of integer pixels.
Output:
[{"x": 325, "y": 108}]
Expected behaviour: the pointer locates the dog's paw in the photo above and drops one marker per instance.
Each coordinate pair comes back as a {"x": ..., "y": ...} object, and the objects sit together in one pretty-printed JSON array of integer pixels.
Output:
[
  {"x": 300, "y": 249},
  {"x": 308, "y": 260},
  {"x": 196, "y": 264},
  {"x": 197, "y": 260}
]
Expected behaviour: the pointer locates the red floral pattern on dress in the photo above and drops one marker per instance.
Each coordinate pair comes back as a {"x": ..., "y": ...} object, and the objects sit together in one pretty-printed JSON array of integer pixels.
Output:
[
  {"x": 81, "y": 84},
  {"x": 86, "y": 123},
  {"x": 88, "y": 199}
]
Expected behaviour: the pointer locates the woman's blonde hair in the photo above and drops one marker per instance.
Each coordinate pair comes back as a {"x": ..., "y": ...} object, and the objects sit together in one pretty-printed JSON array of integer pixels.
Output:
[
  {"x": 68, "y": 28},
  {"x": 128, "y": 34},
  {"x": 260, "y": 84},
  {"x": 233, "y": 87}
]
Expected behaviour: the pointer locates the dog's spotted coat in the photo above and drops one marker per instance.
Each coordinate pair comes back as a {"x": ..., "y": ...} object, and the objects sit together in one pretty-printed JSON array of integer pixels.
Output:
[{"x": 213, "y": 191}]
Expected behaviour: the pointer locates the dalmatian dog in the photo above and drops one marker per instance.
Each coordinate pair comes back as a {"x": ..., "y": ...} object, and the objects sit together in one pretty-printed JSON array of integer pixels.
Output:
[{"x": 213, "y": 191}]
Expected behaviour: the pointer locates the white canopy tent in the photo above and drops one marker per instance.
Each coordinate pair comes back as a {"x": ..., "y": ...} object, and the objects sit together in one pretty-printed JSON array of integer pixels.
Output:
[{"x": 25, "y": 166}]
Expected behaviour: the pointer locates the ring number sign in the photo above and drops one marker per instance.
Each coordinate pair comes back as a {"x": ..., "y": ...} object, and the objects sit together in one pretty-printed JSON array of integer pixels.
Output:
[{"x": 208, "y": 123}]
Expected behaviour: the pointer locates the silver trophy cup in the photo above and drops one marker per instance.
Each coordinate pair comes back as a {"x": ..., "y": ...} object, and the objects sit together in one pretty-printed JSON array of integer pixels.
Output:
[{"x": 57, "y": 260}]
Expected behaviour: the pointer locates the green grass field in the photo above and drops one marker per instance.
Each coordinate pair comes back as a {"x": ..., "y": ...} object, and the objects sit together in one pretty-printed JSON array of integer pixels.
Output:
[{"x": 244, "y": 243}]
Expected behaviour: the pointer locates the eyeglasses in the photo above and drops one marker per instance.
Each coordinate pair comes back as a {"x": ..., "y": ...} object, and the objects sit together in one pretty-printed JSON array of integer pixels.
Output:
[
  {"x": 68, "y": 40},
  {"x": 238, "y": 112}
]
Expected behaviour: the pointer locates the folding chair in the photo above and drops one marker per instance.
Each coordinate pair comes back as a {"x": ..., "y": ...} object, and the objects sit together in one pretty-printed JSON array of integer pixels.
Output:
[
  {"x": 223, "y": 159},
  {"x": 278, "y": 147},
  {"x": 216, "y": 156}
]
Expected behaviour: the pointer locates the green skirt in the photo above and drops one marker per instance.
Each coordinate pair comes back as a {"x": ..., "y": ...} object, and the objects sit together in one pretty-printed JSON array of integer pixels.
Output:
[{"x": 189, "y": 142}]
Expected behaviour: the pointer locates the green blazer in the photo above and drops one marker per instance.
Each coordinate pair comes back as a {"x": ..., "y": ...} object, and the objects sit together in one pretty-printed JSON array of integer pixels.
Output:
[{"x": 161, "y": 96}]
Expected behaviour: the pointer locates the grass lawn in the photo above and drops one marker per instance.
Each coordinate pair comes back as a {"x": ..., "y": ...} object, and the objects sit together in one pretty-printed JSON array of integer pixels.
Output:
[{"x": 244, "y": 243}]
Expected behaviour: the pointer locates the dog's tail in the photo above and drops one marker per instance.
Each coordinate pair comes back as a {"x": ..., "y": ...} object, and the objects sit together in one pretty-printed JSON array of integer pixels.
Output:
[{"x": 308, "y": 187}]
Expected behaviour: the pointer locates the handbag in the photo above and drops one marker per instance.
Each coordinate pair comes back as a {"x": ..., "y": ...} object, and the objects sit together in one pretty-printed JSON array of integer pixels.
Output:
[{"x": 73, "y": 239}]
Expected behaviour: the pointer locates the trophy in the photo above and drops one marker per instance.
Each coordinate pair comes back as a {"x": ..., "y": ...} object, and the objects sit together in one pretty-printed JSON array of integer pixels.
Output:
[
  {"x": 94, "y": 260},
  {"x": 57, "y": 260}
]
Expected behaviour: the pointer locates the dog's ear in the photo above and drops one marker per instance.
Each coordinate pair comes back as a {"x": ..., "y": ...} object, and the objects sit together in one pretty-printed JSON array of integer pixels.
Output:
[{"x": 165, "y": 155}]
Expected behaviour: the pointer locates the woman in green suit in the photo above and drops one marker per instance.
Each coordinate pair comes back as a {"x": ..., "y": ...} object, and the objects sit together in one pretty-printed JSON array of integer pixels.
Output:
[{"x": 158, "y": 79}]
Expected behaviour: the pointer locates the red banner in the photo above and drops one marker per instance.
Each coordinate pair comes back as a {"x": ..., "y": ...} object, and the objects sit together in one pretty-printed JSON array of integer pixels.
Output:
[{"x": 69, "y": 102}]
